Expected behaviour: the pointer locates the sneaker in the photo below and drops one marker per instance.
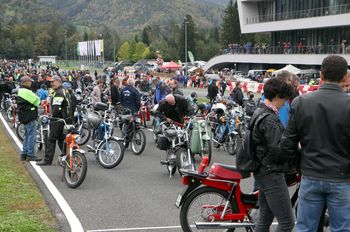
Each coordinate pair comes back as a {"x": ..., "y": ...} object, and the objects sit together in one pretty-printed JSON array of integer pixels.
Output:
[
  {"x": 43, "y": 163},
  {"x": 33, "y": 158},
  {"x": 23, "y": 157}
]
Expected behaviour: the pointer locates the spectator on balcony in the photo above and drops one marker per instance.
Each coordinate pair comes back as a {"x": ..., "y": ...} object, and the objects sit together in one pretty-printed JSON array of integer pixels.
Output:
[
  {"x": 332, "y": 46},
  {"x": 344, "y": 45}
]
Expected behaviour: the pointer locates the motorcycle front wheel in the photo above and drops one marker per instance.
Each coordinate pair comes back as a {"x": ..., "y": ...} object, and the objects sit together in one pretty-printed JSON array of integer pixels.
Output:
[
  {"x": 110, "y": 153},
  {"x": 200, "y": 204},
  {"x": 183, "y": 159},
  {"x": 75, "y": 176},
  {"x": 138, "y": 142}
]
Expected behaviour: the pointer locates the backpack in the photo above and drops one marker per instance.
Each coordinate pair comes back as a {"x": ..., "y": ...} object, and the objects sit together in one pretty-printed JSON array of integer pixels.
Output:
[
  {"x": 246, "y": 159},
  {"x": 250, "y": 108}
]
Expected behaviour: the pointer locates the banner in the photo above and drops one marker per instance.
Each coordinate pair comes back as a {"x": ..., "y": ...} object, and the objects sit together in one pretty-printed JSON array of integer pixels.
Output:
[
  {"x": 97, "y": 47},
  {"x": 190, "y": 55}
]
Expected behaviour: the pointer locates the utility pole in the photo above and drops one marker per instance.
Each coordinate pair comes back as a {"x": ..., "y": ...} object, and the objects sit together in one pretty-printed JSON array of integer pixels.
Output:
[
  {"x": 65, "y": 41},
  {"x": 186, "y": 22}
]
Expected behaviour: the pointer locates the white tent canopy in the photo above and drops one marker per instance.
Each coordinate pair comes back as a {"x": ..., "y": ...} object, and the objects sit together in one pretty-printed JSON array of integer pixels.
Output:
[{"x": 290, "y": 68}]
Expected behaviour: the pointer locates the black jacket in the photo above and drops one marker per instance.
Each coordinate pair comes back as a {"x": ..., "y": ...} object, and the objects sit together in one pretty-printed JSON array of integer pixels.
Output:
[
  {"x": 266, "y": 139},
  {"x": 130, "y": 98},
  {"x": 237, "y": 95},
  {"x": 181, "y": 109},
  {"x": 60, "y": 106},
  {"x": 145, "y": 86},
  {"x": 320, "y": 122},
  {"x": 115, "y": 94},
  {"x": 212, "y": 91},
  {"x": 177, "y": 91}
]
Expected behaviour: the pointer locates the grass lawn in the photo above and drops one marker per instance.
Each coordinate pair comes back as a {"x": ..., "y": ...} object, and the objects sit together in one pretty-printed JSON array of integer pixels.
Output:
[
  {"x": 22, "y": 207},
  {"x": 202, "y": 100}
]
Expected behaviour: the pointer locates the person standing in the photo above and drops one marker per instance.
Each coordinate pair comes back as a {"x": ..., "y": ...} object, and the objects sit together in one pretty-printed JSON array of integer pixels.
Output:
[
  {"x": 130, "y": 97},
  {"x": 212, "y": 90},
  {"x": 274, "y": 200},
  {"x": 319, "y": 123},
  {"x": 60, "y": 104},
  {"x": 115, "y": 92},
  {"x": 28, "y": 103},
  {"x": 237, "y": 93},
  {"x": 175, "y": 88},
  {"x": 97, "y": 92},
  {"x": 223, "y": 85}
]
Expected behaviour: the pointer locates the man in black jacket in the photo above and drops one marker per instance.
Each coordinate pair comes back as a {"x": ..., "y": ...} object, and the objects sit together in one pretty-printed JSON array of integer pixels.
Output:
[
  {"x": 237, "y": 94},
  {"x": 174, "y": 107},
  {"x": 319, "y": 122},
  {"x": 60, "y": 105},
  {"x": 212, "y": 90}
]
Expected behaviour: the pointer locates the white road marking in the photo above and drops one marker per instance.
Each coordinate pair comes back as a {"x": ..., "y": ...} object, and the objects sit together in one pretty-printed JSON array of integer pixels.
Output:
[
  {"x": 72, "y": 219},
  {"x": 135, "y": 229}
]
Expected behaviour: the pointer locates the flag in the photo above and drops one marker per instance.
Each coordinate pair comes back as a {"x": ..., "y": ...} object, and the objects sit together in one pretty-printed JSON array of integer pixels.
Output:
[{"x": 190, "y": 55}]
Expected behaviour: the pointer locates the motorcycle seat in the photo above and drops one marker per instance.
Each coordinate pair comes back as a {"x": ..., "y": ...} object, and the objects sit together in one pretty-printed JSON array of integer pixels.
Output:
[
  {"x": 235, "y": 169},
  {"x": 100, "y": 106}
]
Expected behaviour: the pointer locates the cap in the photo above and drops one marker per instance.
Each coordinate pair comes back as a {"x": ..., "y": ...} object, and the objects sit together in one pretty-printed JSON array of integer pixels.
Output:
[
  {"x": 25, "y": 78},
  {"x": 56, "y": 78}
]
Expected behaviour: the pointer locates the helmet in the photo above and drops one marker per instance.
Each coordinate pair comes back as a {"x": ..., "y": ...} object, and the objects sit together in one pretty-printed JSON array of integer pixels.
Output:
[
  {"x": 94, "y": 120},
  {"x": 78, "y": 92},
  {"x": 194, "y": 95}
]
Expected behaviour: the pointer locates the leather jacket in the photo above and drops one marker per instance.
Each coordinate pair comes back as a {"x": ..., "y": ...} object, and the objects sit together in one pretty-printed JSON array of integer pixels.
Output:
[
  {"x": 319, "y": 121},
  {"x": 266, "y": 138}
]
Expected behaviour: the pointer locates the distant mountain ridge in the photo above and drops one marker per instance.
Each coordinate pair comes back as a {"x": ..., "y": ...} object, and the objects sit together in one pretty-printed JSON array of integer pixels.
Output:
[{"x": 125, "y": 16}]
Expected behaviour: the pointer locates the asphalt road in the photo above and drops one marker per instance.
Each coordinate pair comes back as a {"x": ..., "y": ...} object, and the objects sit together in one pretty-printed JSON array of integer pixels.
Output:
[{"x": 136, "y": 194}]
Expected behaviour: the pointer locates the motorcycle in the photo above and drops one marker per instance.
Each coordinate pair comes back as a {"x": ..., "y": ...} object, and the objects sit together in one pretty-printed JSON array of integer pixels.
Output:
[
  {"x": 225, "y": 130},
  {"x": 81, "y": 124},
  {"x": 109, "y": 150},
  {"x": 131, "y": 132},
  {"x": 214, "y": 200},
  {"x": 144, "y": 112},
  {"x": 174, "y": 140}
]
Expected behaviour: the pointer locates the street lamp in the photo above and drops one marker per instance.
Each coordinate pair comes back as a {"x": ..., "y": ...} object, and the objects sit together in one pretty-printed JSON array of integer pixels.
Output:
[
  {"x": 186, "y": 22},
  {"x": 65, "y": 41}
]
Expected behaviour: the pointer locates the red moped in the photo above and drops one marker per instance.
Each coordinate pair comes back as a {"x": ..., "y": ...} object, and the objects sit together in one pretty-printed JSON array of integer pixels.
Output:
[{"x": 214, "y": 200}]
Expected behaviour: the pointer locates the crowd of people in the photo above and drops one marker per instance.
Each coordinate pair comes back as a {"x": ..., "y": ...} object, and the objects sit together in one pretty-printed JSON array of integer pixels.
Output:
[
  {"x": 310, "y": 129},
  {"x": 286, "y": 47}
]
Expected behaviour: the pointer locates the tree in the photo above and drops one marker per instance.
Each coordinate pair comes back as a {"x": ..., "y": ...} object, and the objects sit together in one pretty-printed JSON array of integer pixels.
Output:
[
  {"x": 145, "y": 35},
  {"x": 230, "y": 30},
  {"x": 123, "y": 51},
  {"x": 139, "y": 50}
]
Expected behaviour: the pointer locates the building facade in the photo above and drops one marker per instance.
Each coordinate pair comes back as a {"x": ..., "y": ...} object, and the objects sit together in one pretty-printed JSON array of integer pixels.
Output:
[{"x": 302, "y": 32}]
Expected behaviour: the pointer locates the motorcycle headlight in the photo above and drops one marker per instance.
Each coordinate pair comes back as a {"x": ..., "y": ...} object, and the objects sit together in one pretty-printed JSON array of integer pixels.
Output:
[
  {"x": 44, "y": 120},
  {"x": 77, "y": 138}
]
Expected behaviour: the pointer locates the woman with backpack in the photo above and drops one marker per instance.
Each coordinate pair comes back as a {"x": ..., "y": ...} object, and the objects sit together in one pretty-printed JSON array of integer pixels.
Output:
[{"x": 274, "y": 200}]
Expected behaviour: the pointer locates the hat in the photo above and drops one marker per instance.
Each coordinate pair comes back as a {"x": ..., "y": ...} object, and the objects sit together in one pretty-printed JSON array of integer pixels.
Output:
[
  {"x": 25, "y": 78},
  {"x": 56, "y": 78}
]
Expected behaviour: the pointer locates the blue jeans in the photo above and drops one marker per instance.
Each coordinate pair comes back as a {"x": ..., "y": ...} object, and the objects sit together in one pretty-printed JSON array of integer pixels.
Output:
[
  {"x": 313, "y": 195},
  {"x": 29, "y": 140}
]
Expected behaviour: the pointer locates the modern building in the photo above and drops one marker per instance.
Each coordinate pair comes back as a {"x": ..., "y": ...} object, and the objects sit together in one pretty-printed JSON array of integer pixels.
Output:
[{"x": 301, "y": 32}]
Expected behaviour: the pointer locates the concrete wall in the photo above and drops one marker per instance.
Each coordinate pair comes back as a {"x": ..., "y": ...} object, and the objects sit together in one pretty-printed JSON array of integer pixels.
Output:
[{"x": 258, "y": 60}]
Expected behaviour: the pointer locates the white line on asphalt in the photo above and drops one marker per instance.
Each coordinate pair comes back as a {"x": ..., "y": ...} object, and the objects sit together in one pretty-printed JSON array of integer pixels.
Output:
[
  {"x": 72, "y": 219},
  {"x": 140, "y": 228}
]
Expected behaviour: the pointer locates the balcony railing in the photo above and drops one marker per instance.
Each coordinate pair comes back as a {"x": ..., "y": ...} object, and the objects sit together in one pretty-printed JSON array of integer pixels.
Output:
[
  {"x": 261, "y": 50},
  {"x": 316, "y": 12}
]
